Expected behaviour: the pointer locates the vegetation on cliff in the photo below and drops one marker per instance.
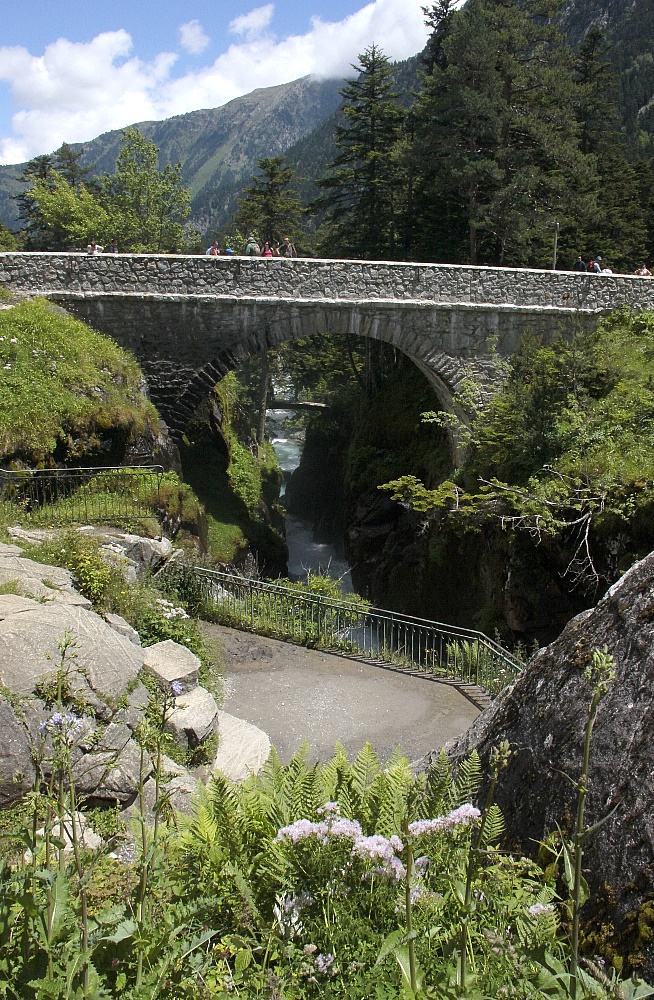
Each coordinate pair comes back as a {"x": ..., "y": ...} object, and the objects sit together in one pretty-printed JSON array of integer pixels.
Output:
[
  {"x": 565, "y": 449},
  {"x": 67, "y": 393}
]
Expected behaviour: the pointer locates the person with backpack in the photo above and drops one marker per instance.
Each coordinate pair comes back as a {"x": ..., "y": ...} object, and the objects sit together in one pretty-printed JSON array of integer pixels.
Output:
[
  {"x": 595, "y": 266},
  {"x": 252, "y": 248}
]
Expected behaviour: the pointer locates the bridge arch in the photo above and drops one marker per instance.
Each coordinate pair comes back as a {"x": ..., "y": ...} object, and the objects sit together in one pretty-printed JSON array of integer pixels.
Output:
[{"x": 190, "y": 319}]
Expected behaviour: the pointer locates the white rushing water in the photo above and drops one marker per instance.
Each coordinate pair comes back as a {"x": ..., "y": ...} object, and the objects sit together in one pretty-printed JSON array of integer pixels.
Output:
[{"x": 305, "y": 554}]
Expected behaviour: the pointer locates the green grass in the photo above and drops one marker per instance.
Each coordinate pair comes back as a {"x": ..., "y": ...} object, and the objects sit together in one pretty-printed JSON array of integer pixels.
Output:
[{"x": 63, "y": 386}]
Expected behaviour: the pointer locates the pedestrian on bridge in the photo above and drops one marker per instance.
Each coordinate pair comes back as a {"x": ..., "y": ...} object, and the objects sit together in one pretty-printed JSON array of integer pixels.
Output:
[{"x": 579, "y": 264}]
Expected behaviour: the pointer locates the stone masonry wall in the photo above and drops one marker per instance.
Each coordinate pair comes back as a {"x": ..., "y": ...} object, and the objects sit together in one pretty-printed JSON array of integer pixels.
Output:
[
  {"x": 188, "y": 318},
  {"x": 316, "y": 279}
]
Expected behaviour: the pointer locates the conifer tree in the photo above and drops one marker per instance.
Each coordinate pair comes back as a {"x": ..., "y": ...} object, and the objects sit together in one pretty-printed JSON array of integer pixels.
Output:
[
  {"x": 270, "y": 207},
  {"x": 363, "y": 187},
  {"x": 496, "y": 133}
]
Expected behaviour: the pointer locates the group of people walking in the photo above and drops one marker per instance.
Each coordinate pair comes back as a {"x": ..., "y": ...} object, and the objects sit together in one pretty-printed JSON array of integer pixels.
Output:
[
  {"x": 596, "y": 266},
  {"x": 252, "y": 249}
]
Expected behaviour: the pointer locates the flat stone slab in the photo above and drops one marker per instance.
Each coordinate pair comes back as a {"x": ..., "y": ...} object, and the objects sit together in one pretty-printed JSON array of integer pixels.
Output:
[
  {"x": 169, "y": 661},
  {"x": 243, "y": 748},
  {"x": 10, "y": 550},
  {"x": 13, "y": 604},
  {"x": 118, "y": 624},
  {"x": 194, "y": 717}
]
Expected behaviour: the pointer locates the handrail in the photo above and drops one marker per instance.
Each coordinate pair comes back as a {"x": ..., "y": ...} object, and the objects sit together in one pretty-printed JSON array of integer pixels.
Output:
[
  {"x": 360, "y": 630},
  {"x": 88, "y": 495}
]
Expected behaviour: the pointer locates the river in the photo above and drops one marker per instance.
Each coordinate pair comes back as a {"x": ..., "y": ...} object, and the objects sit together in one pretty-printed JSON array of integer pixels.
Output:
[{"x": 305, "y": 554}]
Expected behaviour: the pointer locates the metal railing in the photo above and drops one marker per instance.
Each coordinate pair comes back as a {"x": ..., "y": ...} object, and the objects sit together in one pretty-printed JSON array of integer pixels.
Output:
[
  {"x": 354, "y": 629},
  {"x": 101, "y": 495}
]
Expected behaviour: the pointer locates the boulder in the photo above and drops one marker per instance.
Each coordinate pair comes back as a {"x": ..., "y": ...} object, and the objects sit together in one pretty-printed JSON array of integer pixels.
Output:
[
  {"x": 194, "y": 717},
  {"x": 105, "y": 662},
  {"x": 17, "y": 771},
  {"x": 243, "y": 748},
  {"x": 169, "y": 662},
  {"x": 543, "y": 716},
  {"x": 178, "y": 785},
  {"x": 139, "y": 555},
  {"x": 135, "y": 555},
  {"x": 34, "y": 579}
]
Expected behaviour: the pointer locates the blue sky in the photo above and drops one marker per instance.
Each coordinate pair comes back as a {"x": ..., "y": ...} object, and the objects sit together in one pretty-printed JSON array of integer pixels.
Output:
[{"x": 71, "y": 69}]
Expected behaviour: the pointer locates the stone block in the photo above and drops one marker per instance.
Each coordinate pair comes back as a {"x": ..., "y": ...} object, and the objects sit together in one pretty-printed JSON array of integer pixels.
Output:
[
  {"x": 119, "y": 625},
  {"x": 105, "y": 662},
  {"x": 168, "y": 661},
  {"x": 194, "y": 717}
]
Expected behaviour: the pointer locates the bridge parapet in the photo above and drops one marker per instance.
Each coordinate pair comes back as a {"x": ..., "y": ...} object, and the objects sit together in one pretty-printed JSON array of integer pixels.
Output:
[
  {"x": 310, "y": 279},
  {"x": 189, "y": 320}
]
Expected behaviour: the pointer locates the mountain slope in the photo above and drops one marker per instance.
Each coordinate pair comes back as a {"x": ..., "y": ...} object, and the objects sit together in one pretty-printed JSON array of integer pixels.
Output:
[
  {"x": 629, "y": 29},
  {"x": 217, "y": 147}
]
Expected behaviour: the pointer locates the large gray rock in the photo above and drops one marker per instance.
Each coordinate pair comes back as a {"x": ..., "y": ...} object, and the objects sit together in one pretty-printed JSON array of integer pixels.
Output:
[
  {"x": 194, "y": 717},
  {"x": 16, "y": 768},
  {"x": 34, "y": 579},
  {"x": 118, "y": 624},
  {"x": 543, "y": 716},
  {"x": 106, "y": 662},
  {"x": 135, "y": 555},
  {"x": 169, "y": 662}
]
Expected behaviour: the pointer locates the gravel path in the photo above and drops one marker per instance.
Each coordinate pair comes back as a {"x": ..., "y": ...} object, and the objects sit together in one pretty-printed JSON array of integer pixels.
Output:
[{"x": 294, "y": 694}]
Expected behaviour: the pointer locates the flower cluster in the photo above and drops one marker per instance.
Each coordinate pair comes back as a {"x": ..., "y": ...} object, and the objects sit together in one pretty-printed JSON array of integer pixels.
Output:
[
  {"x": 333, "y": 826},
  {"x": 376, "y": 847},
  {"x": 463, "y": 816},
  {"x": 540, "y": 909},
  {"x": 177, "y": 688},
  {"x": 61, "y": 720},
  {"x": 168, "y": 609},
  {"x": 324, "y": 963},
  {"x": 62, "y": 724}
]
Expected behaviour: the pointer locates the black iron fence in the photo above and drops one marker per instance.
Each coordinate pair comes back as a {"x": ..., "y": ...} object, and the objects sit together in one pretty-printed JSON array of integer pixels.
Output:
[
  {"x": 351, "y": 628},
  {"x": 59, "y": 497}
]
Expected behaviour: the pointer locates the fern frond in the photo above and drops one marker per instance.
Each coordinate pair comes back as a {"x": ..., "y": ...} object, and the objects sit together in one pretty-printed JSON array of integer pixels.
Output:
[
  {"x": 468, "y": 781},
  {"x": 438, "y": 789},
  {"x": 365, "y": 768},
  {"x": 493, "y": 827}
]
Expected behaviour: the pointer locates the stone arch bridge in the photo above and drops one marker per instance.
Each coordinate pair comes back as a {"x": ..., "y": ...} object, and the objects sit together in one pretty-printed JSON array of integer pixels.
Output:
[{"x": 190, "y": 320}]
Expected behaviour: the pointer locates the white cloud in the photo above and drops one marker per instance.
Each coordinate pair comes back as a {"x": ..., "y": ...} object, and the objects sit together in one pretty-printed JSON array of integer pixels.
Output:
[
  {"x": 192, "y": 37},
  {"x": 251, "y": 25},
  {"x": 76, "y": 91}
]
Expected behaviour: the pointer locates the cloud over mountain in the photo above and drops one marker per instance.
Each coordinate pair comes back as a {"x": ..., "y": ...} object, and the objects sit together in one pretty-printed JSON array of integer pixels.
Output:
[{"x": 76, "y": 90}]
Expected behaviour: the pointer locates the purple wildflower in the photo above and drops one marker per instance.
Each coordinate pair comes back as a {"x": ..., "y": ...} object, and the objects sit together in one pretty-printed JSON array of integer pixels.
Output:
[
  {"x": 61, "y": 722},
  {"x": 329, "y": 807},
  {"x": 375, "y": 847},
  {"x": 348, "y": 828},
  {"x": 540, "y": 909},
  {"x": 302, "y": 829},
  {"x": 323, "y": 963},
  {"x": 463, "y": 816},
  {"x": 176, "y": 688}
]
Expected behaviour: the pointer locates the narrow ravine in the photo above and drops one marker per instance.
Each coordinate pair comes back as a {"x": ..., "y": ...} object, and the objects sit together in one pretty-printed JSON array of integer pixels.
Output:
[{"x": 305, "y": 554}]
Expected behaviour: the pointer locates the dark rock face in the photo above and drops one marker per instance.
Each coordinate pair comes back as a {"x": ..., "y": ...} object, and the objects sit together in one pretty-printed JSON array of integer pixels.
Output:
[{"x": 543, "y": 716}]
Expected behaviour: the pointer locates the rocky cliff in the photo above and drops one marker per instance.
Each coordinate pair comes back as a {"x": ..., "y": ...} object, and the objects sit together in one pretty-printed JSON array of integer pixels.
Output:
[{"x": 543, "y": 717}]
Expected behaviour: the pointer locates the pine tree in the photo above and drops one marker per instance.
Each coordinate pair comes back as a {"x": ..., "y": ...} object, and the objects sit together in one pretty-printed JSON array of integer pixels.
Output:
[
  {"x": 270, "y": 207},
  {"x": 615, "y": 224},
  {"x": 363, "y": 189},
  {"x": 496, "y": 134}
]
